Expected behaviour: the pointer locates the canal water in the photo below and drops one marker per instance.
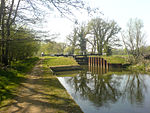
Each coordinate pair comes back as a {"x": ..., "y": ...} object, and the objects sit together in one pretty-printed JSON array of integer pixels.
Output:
[{"x": 101, "y": 91}]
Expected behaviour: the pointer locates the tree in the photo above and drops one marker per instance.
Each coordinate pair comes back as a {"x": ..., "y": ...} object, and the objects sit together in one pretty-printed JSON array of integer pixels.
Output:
[
  {"x": 20, "y": 48},
  {"x": 82, "y": 32},
  {"x": 104, "y": 33},
  {"x": 52, "y": 47},
  {"x": 73, "y": 38},
  {"x": 27, "y": 12},
  {"x": 78, "y": 40},
  {"x": 134, "y": 37}
]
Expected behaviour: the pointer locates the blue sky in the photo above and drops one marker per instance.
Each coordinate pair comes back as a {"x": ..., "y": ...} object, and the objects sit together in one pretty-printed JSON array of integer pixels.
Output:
[{"x": 119, "y": 10}]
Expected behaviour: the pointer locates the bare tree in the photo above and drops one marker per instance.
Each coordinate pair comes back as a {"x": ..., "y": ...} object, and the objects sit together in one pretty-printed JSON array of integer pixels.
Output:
[{"x": 134, "y": 37}]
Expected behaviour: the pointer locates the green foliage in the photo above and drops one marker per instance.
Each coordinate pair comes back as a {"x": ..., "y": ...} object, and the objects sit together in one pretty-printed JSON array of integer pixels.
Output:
[
  {"x": 11, "y": 78},
  {"x": 52, "y": 47},
  {"x": 77, "y": 52},
  {"x": 19, "y": 50},
  {"x": 24, "y": 66},
  {"x": 82, "y": 39},
  {"x": 20, "y": 46},
  {"x": 119, "y": 52},
  {"x": 68, "y": 50},
  {"x": 104, "y": 34},
  {"x": 108, "y": 50},
  {"x": 142, "y": 65}
]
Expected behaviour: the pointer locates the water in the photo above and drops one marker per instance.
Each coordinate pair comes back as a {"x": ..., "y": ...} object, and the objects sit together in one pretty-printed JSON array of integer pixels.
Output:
[{"x": 100, "y": 91}]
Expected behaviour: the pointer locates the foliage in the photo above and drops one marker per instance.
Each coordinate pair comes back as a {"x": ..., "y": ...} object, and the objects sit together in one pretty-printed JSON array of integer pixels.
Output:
[
  {"x": 118, "y": 52},
  {"x": 52, "y": 47},
  {"x": 73, "y": 39},
  {"x": 68, "y": 50},
  {"x": 103, "y": 34},
  {"x": 16, "y": 14},
  {"x": 98, "y": 34},
  {"x": 22, "y": 46},
  {"x": 82, "y": 32},
  {"x": 77, "y": 39},
  {"x": 24, "y": 66},
  {"x": 108, "y": 50},
  {"x": 142, "y": 66}
]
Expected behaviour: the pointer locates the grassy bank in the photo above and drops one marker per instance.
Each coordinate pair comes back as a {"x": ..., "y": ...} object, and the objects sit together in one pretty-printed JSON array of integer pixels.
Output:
[
  {"x": 59, "y": 61},
  {"x": 11, "y": 78},
  {"x": 62, "y": 101},
  {"x": 116, "y": 59},
  {"x": 142, "y": 65},
  {"x": 44, "y": 91}
]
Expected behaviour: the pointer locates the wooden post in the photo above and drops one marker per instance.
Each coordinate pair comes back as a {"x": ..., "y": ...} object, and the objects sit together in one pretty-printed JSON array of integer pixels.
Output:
[
  {"x": 102, "y": 62},
  {"x": 89, "y": 68},
  {"x": 89, "y": 61},
  {"x": 95, "y": 61},
  {"x": 105, "y": 64},
  {"x": 92, "y": 61}
]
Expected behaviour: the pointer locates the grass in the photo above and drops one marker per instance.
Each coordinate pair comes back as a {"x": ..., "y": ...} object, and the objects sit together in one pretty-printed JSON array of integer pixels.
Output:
[
  {"x": 54, "y": 87},
  {"x": 59, "y": 61},
  {"x": 49, "y": 86},
  {"x": 61, "y": 99},
  {"x": 142, "y": 65},
  {"x": 25, "y": 66},
  {"x": 12, "y": 77},
  {"x": 116, "y": 59}
]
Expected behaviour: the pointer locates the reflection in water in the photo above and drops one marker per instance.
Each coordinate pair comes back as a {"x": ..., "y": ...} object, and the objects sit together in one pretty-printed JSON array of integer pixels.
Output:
[{"x": 109, "y": 92}]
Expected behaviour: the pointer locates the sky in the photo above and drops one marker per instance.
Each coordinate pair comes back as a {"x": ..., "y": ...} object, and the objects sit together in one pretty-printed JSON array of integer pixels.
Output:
[{"x": 119, "y": 10}]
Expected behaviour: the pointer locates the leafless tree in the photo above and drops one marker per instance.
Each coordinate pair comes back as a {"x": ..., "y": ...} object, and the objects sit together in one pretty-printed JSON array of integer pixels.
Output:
[{"x": 134, "y": 38}]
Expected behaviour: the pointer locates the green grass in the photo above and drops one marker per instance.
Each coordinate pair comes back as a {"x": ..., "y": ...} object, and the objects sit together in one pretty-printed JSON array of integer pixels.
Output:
[
  {"x": 24, "y": 66},
  {"x": 117, "y": 59},
  {"x": 11, "y": 78},
  {"x": 52, "y": 90},
  {"x": 59, "y": 61},
  {"x": 60, "y": 98},
  {"x": 54, "y": 87},
  {"x": 142, "y": 65}
]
